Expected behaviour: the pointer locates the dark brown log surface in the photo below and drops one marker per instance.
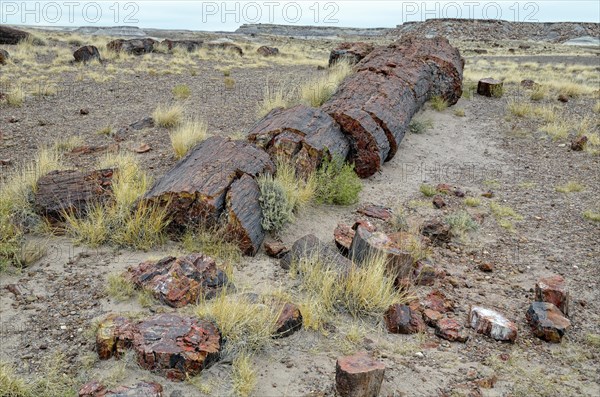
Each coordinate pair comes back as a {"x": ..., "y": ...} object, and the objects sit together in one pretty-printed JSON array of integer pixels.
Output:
[
  {"x": 11, "y": 35},
  {"x": 300, "y": 133},
  {"x": 72, "y": 191},
  {"x": 311, "y": 248},
  {"x": 194, "y": 190},
  {"x": 375, "y": 105}
]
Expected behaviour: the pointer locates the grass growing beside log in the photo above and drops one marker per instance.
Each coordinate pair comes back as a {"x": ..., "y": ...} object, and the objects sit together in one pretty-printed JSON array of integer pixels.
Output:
[
  {"x": 337, "y": 183},
  {"x": 211, "y": 242},
  {"x": 316, "y": 92},
  {"x": 187, "y": 135}
]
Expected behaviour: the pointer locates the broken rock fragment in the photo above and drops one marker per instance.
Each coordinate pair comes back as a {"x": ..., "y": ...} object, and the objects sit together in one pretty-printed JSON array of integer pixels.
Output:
[
  {"x": 492, "y": 324},
  {"x": 343, "y": 235},
  {"x": 358, "y": 375},
  {"x": 553, "y": 290},
  {"x": 451, "y": 330},
  {"x": 401, "y": 319},
  {"x": 547, "y": 322},
  {"x": 289, "y": 320},
  {"x": 311, "y": 248},
  {"x": 141, "y": 389},
  {"x": 179, "y": 281},
  {"x": 437, "y": 300},
  {"x": 376, "y": 211},
  {"x": 490, "y": 87},
  {"x": 114, "y": 336}
]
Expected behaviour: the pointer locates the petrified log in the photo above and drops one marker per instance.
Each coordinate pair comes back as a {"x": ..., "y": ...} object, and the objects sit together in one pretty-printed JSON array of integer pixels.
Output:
[
  {"x": 375, "y": 105},
  {"x": 225, "y": 46},
  {"x": 4, "y": 55},
  {"x": 289, "y": 320},
  {"x": 189, "y": 45},
  {"x": 311, "y": 248},
  {"x": 86, "y": 53},
  {"x": 114, "y": 336},
  {"x": 302, "y": 134},
  {"x": 401, "y": 319},
  {"x": 349, "y": 52},
  {"x": 72, "y": 192},
  {"x": 490, "y": 87},
  {"x": 176, "y": 346},
  {"x": 553, "y": 290},
  {"x": 267, "y": 51},
  {"x": 376, "y": 211},
  {"x": 368, "y": 245},
  {"x": 195, "y": 189},
  {"x": 179, "y": 281},
  {"x": 11, "y": 35},
  {"x": 358, "y": 376},
  {"x": 244, "y": 215},
  {"x": 133, "y": 46}
]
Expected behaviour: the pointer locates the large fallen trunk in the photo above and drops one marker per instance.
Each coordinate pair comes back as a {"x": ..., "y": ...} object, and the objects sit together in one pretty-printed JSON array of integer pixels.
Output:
[
  {"x": 375, "y": 105},
  {"x": 72, "y": 192},
  {"x": 11, "y": 35},
  {"x": 301, "y": 134},
  {"x": 210, "y": 178}
]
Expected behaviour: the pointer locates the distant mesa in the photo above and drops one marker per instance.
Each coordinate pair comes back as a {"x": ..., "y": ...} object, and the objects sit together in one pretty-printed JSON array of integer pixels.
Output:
[{"x": 129, "y": 31}]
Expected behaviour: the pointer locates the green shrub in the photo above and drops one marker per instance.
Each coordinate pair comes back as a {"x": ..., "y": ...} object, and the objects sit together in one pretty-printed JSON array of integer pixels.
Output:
[
  {"x": 438, "y": 103},
  {"x": 337, "y": 183},
  {"x": 277, "y": 209},
  {"x": 418, "y": 126},
  {"x": 461, "y": 222},
  {"x": 427, "y": 190}
]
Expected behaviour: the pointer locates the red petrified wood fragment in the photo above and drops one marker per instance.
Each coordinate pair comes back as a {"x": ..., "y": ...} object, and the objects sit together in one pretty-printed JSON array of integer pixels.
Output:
[
  {"x": 492, "y": 324},
  {"x": 553, "y": 290},
  {"x": 114, "y": 336},
  {"x": 450, "y": 329},
  {"x": 358, "y": 376},
  {"x": 179, "y": 281},
  {"x": 142, "y": 389},
  {"x": 401, "y": 319},
  {"x": 547, "y": 322},
  {"x": 343, "y": 235},
  {"x": 376, "y": 211},
  {"x": 289, "y": 321}
]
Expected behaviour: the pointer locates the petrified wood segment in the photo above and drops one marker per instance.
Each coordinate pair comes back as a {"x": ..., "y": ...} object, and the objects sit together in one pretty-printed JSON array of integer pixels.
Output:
[
  {"x": 358, "y": 376},
  {"x": 11, "y": 35},
  {"x": 86, "y": 53},
  {"x": 114, "y": 336},
  {"x": 72, "y": 192},
  {"x": 490, "y": 87},
  {"x": 194, "y": 190},
  {"x": 179, "y": 281},
  {"x": 141, "y": 389},
  {"x": 176, "y": 346},
  {"x": 301, "y": 134},
  {"x": 244, "y": 215},
  {"x": 349, "y": 52},
  {"x": 391, "y": 83},
  {"x": 311, "y": 248}
]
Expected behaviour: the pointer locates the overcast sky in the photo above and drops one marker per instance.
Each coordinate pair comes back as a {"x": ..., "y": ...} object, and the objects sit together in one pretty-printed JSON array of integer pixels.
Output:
[{"x": 228, "y": 15}]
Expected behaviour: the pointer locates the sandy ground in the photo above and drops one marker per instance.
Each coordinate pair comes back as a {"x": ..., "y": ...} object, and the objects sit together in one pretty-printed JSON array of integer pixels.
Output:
[{"x": 475, "y": 153}]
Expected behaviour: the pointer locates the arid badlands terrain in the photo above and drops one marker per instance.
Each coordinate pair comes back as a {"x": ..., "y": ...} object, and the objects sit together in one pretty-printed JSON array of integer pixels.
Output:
[{"x": 494, "y": 200}]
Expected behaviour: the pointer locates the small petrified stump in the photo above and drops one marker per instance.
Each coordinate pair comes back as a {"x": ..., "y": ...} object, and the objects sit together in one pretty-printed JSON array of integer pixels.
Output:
[
  {"x": 275, "y": 249},
  {"x": 87, "y": 53},
  {"x": 553, "y": 290},
  {"x": 289, "y": 320},
  {"x": 176, "y": 346},
  {"x": 267, "y": 51},
  {"x": 142, "y": 389},
  {"x": 358, "y": 376},
  {"x": 437, "y": 300},
  {"x": 133, "y": 46},
  {"x": 367, "y": 245},
  {"x": 490, "y": 87},
  {"x": 492, "y": 324},
  {"x": 179, "y": 281},
  {"x": 376, "y": 211},
  {"x": 547, "y": 322},
  {"x": 72, "y": 192},
  {"x": 438, "y": 202},
  {"x": 451, "y": 330},
  {"x": 401, "y": 319},
  {"x": 114, "y": 336},
  {"x": 343, "y": 235},
  {"x": 3, "y": 56},
  {"x": 578, "y": 144},
  {"x": 437, "y": 231},
  {"x": 311, "y": 248}
]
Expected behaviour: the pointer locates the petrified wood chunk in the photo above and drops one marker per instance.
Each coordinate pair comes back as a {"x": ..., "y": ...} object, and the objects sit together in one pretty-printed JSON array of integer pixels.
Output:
[
  {"x": 86, "y": 53},
  {"x": 358, "y": 376},
  {"x": 141, "y": 389},
  {"x": 289, "y": 320},
  {"x": 493, "y": 324},
  {"x": 176, "y": 346},
  {"x": 189, "y": 45},
  {"x": 11, "y": 35},
  {"x": 553, "y": 290},
  {"x": 179, "y": 281},
  {"x": 72, "y": 192},
  {"x": 310, "y": 247},
  {"x": 349, "y": 52},
  {"x": 133, "y": 46},
  {"x": 401, "y": 319},
  {"x": 114, "y": 336},
  {"x": 547, "y": 321},
  {"x": 490, "y": 87},
  {"x": 343, "y": 235}
]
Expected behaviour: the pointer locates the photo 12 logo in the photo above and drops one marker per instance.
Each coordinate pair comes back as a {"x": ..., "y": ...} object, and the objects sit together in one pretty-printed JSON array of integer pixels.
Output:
[
  {"x": 68, "y": 12},
  {"x": 495, "y": 10},
  {"x": 289, "y": 12}
]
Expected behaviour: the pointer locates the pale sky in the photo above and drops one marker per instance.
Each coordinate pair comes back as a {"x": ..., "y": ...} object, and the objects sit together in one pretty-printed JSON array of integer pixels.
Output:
[{"x": 228, "y": 15}]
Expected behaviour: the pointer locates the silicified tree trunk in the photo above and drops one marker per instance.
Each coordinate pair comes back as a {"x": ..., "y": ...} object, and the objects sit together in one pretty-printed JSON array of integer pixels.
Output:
[
  {"x": 301, "y": 134},
  {"x": 374, "y": 106},
  {"x": 72, "y": 192},
  {"x": 11, "y": 35}
]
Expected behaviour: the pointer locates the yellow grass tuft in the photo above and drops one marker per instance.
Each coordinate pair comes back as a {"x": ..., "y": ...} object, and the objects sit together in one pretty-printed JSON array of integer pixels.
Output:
[
  {"x": 438, "y": 103},
  {"x": 181, "y": 91},
  {"x": 272, "y": 98},
  {"x": 187, "y": 135},
  {"x": 118, "y": 288},
  {"x": 244, "y": 375},
  {"x": 319, "y": 90},
  {"x": 570, "y": 187},
  {"x": 212, "y": 242},
  {"x": 167, "y": 116},
  {"x": 557, "y": 130}
]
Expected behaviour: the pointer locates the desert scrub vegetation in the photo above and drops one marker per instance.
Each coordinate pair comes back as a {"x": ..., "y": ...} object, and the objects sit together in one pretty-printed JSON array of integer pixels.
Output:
[
  {"x": 181, "y": 91},
  {"x": 336, "y": 182},
  {"x": 593, "y": 216},
  {"x": 399, "y": 220},
  {"x": 108, "y": 130},
  {"x": 125, "y": 221},
  {"x": 538, "y": 93},
  {"x": 461, "y": 223},
  {"x": 570, "y": 187},
  {"x": 419, "y": 125},
  {"x": 273, "y": 97},
  {"x": 243, "y": 375},
  {"x": 556, "y": 130},
  {"x": 316, "y": 92},
  {"x": 212, "y": 242},
  {"x": 167, "y": 116},
  {"x": 472, "y": 201},
  {"x": 276, "y": 207},
  {"x": 187, "y": 135},
  {"x": 427, "y": 190},
  {"x": 459, "y": 112},
  {"x": 504, "y": 215},
  {"x": 438, "y": 103},
  {"x": 118, "y": 288}
]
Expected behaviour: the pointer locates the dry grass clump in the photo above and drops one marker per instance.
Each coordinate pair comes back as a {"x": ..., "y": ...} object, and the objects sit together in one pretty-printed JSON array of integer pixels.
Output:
[
  {"x": 182, "y": 91},
  {"x": 68, "y": 144},
  {"x": 505, "y": 215},
  {"x": 473, "y": 201},
  {"x": 459, "y": 112},
  {"x": 438, "y": 103},
  {"x": 461, "y": 223},
  {"x": 118, "y": 288},
  {"x": 419, "y": 125},
  {"x": 167, "y": 116},
  {"x": 212, "y": 242},
  {"x": 318, "y": 91},
  {"x": 336, "y": 182},
  {"x": 126, "y": 221},
  {"x": 428, "y": 190},
  {"x": 596, "y": 108},
  {"x": 519, "y": 108},
  {"x": 556, "y": 130},
  {"x": 538, "y": 93},
  {"x": 243, "y": 375},
  {"x": 272, "y": 98},
  {"x": 187, "y": 135},
  {"x": 593, "y": 216},
  {"x": 108, "y": 131},
  {"x": 570, "y": 187},
  {"x": 15, "y": 97}
]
